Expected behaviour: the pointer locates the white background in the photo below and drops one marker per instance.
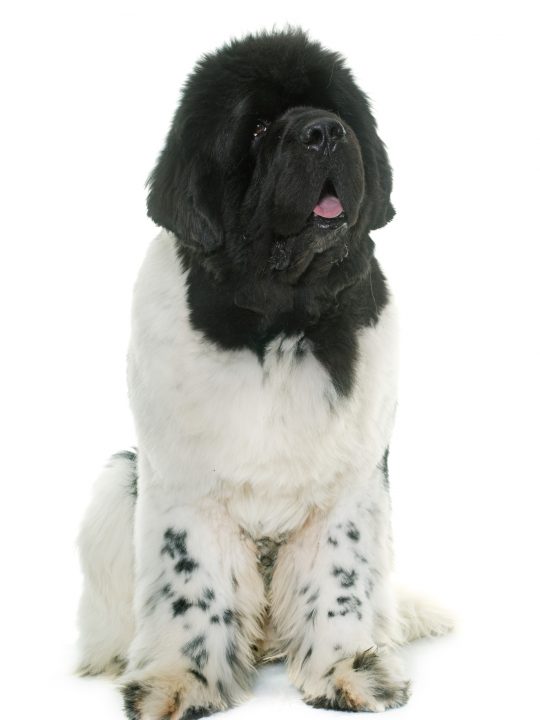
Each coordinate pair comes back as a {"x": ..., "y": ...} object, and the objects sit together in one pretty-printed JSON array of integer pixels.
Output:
[{"x": 88, "y": 90}]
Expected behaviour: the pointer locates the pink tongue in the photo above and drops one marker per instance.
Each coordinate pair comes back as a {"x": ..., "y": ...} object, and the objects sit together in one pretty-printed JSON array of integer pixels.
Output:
[{"x": 328, "y": 207}]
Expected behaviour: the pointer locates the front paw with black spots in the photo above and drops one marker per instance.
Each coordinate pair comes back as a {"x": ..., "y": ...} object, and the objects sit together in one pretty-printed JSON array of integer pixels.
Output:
[
  {"x": 185, "y": 695},
  {"x": 368, "y": 682}
]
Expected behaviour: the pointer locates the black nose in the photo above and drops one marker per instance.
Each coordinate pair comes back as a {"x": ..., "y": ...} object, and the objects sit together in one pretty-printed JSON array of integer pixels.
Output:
[{"x": 322, "y": 134}]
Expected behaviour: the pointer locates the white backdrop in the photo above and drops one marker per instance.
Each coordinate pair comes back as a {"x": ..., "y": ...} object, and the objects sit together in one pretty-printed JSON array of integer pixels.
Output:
[{"x": 88, "y": 91}]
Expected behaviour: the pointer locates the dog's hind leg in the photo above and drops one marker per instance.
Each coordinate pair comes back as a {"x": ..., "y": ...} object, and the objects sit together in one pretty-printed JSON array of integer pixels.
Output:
[{"x": 106, "y": 622}]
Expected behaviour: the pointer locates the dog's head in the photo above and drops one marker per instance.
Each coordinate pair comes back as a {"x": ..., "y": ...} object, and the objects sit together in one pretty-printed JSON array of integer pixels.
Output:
[{"x": 272, "y": 168}]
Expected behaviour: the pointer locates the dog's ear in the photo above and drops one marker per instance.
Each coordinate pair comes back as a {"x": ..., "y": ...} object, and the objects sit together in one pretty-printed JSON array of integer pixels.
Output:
[
  {"x": 377, "y": 170},
  {"x": 382, "y": 210},
  {"x": 184, "y": 198}
]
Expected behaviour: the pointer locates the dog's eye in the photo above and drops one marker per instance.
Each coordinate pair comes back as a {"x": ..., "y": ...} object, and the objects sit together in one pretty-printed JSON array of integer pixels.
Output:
[{"x": 261, "y": 126}]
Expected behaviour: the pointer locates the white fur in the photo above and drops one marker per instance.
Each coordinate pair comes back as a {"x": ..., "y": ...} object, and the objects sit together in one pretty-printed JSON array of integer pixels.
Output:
[
  {"x": 106, "y": 549},
  {"x": 232, "y": 450},
  {"x": 273, "y": 440}
]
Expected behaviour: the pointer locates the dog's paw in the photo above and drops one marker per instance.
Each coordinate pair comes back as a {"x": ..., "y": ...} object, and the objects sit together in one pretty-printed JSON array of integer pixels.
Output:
[
  {"x": 368, "y": 682},
  {"x": 185, "y": 695}
]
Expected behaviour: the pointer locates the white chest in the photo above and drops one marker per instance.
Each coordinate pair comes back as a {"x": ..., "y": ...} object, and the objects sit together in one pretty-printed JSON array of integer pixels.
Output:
[{"x": 271, "y": 439}]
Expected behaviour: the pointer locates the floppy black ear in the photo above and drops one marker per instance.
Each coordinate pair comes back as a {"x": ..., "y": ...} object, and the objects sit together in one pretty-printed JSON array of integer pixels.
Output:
[
  {"x": 184, "y": 197},
  {"x": 382, "y": 210},
  {"x": 378, "y": 173}
]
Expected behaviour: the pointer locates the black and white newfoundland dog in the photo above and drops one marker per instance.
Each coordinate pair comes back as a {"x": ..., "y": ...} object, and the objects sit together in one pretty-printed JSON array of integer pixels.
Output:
[{"x": 253, "y": 521}]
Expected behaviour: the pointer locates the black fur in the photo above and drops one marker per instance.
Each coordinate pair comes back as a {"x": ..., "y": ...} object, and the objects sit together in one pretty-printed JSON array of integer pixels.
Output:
[
  {"x": 195, "y": 713},
  {"x": 130, "y": 456},
  {"x": 199, "y": 677},
  {"x": 196, "y": 651},
  {"x": 181, "y": 606},
  {"x": 383, "y": 465},
  {"x": 258, "y": 262},
  {"x": 381, "y": 686},
  {"x": 340, "y": 701},
  {"x": 307, "y": 656},
  {"x": 186, "y": 565},
  {"x": 209, "y": 594},
  {"x": 349, "y": 604},
  {"x": 347, "y": 578},
  {"x": 133, "y": 695},
  {"x": 228, "y": 616},
  {"x": 174, "y": 543},
  {"x": 164, "y": 593},
  {"x": 175, "y": 546}
]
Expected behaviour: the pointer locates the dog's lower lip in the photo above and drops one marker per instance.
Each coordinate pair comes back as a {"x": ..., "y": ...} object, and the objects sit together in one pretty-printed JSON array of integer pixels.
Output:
[{"x": 329, "y": 222}]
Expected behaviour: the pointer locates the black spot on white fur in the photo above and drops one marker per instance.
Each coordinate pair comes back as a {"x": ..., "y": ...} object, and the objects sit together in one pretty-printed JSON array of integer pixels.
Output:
[
  {"x": 200, "y": 677},
  {"x": 370, "y": 584},
  {"x": 228, "y": 616},
  {"x": 382, "y": 687},
  {"x": 196, "y": 651},
  {"x": 174, "y": 544},
  {"x": 205, "y": 601},
  {"x": 134, "y": 694},
  {"x": 383, "y": 466},
  {"x": 180, "y": 606},
  {"x": 348, "y": 604},
  {"x": 164, "y": 593},
  {"x": 130, "y": 458},
  {"x": 195, "y": 713},
  {"x": 347, "y": 578},
  {"x": 352, "y": 532},
  {"x": 392, "y": 693},
  {"x": 307, "y": 656},
  {"x": 186, "y": 565},
  {"x": 209, "y": 594}
]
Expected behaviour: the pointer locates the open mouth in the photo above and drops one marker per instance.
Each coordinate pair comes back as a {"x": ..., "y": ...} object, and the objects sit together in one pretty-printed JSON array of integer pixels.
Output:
[{"x": 328, "y": 212}]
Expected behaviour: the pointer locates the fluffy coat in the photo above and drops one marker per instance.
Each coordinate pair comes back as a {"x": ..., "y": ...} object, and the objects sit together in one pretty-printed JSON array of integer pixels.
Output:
[{"x": 253, "y": 521}]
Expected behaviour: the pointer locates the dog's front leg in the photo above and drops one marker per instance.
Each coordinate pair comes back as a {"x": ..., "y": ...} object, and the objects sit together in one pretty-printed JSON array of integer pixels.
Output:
[
  {"x": 333, "y": 607},
  {"x": 198, "y": 601}
]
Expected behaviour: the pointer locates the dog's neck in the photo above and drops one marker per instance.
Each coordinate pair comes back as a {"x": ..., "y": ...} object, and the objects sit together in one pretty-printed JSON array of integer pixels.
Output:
[{"x": 238, "y": 311}]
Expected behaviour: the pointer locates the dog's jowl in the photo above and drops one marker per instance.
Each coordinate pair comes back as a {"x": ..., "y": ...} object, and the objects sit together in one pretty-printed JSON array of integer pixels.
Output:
[{"x": 252, "y": 522}]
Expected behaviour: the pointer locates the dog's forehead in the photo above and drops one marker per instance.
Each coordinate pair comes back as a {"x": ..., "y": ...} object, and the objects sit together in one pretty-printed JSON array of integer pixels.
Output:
[
  {"x": 271, "y": 76},
  {"x": 270, "y": 97}
]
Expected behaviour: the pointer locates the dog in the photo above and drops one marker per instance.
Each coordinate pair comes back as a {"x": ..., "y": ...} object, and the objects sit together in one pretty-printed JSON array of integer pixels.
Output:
[{"x": 252, "y": 522}]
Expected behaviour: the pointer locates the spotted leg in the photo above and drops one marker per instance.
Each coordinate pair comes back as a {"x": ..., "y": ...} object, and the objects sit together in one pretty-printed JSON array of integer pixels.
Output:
[
  {"x": 198, "y": 601},
  {"x": 332, "y": 605}
]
